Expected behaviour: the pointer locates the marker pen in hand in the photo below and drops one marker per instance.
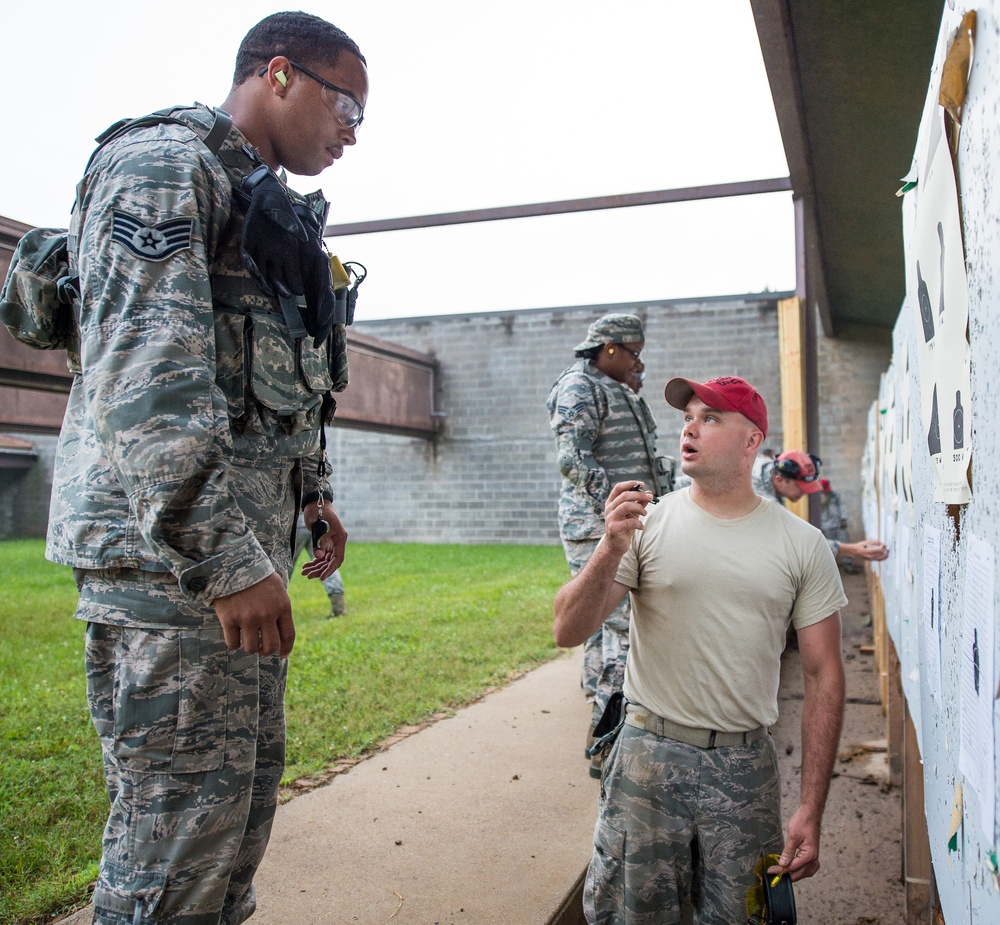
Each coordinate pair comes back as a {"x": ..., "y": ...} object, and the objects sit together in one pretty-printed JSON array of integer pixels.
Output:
[{"x": 638, "y": 487}]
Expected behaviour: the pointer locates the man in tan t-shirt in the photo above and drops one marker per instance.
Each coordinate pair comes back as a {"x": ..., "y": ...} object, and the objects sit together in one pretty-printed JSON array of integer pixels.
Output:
[{"x": 690, "y": 797}]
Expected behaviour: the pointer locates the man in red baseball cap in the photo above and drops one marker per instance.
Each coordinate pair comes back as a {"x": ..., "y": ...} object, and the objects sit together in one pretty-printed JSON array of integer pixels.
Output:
[
  {"x": 726, "y": 393},
  {"x": 716, "y": 575}
]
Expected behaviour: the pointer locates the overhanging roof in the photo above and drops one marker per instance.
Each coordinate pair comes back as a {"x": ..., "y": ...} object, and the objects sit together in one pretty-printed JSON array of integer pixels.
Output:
[{"x": 849, "y": 81}]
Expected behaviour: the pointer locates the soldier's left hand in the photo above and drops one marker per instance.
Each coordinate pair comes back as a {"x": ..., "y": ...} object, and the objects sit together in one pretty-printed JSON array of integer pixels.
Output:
[{"x": 330, "y": 551}]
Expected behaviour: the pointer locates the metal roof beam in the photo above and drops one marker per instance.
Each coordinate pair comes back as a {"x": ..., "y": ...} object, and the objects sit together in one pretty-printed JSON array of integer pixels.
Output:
[{"x": 561, "y": 207}]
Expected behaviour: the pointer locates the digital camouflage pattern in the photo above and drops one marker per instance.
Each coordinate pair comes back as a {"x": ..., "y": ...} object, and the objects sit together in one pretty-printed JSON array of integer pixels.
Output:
[
  {"x": 193, "y": 744},
  {"x": 616, "y": 328},
  {"x": 192, "y": 431},
  {"x": 193, "y": 735},
  {"x": 604, "y": 435},
  {"x": 658, "y": 797},
  {"x": 186, "y": 368},
  {"x": 832, "y": 520},
  {"x": 763, "y": 483}
]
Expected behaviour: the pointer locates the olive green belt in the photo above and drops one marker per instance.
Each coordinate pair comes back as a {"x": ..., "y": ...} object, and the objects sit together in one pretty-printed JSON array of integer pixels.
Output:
[{"x": 641, "y": 718}]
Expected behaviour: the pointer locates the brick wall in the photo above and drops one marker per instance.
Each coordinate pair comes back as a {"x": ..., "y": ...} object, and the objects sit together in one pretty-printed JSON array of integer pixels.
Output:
[
  {"x": 850, "y": 368},
  {"x": 24, "y": 493}
]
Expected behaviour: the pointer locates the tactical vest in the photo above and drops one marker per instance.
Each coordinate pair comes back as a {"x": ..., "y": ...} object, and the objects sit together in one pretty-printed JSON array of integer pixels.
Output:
[
  {"x": 275, "y": 382},
  {"x": 615, "y": 446}
]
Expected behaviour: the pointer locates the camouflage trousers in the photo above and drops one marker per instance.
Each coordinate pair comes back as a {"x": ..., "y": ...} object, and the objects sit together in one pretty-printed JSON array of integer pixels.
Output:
[
  {"x": 605, "y": 653},
  {"x": 679, "y": 831},
  {"x": 192, "y": 735},
  {"x": 193, "y": 740}
]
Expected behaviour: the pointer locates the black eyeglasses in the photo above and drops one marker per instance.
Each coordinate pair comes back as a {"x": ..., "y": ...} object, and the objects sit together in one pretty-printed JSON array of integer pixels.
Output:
[
  {"x": 633, "y": 353},
  {"x": 344, "y": 104}
]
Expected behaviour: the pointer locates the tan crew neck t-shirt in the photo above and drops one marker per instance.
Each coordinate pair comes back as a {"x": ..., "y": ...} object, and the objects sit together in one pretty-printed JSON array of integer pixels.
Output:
[{"x": 711, "y": 602}]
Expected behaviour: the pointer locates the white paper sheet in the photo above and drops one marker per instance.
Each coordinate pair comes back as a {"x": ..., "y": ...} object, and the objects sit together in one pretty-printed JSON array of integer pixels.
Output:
[
  {"x": 977, "y": 758},
  {"x": 937, "y": 291},
  {"x": 932, "y": 610}
]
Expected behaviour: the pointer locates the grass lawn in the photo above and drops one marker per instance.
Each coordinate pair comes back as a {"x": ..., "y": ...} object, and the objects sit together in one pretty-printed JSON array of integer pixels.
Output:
[{"x": 429, "y": 628}]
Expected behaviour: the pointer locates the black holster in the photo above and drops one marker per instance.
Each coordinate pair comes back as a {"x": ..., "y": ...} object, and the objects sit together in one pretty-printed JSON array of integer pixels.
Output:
[{"x": 609, "y": 725}]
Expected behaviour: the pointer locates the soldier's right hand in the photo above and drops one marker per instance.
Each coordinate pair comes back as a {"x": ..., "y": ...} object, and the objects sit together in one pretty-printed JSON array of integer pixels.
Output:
[
  {"x": 625, "y": 505},
  {"x": 258, "y": 619}
]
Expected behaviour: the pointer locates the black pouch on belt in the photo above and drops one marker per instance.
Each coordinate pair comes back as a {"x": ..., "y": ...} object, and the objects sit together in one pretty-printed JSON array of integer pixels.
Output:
[{"x": 608, "y": 725}]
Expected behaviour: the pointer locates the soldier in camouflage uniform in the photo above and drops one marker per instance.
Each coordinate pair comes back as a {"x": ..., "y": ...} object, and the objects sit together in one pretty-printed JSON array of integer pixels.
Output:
[
  {"x": 604, "y": 433},
  {"x": 832, "y": 520},
  {"x": 690, "y": 795},
  {"x": 191, "y": 440},
  {"x": 794, "y": 474}
]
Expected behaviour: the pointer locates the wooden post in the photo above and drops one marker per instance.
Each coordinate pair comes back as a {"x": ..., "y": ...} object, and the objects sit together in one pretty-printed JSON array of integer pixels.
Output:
[
  {"x": 791, "y": 350},
  {"x": 916, "y": 844},
  {"x": 895, "y": 726}
]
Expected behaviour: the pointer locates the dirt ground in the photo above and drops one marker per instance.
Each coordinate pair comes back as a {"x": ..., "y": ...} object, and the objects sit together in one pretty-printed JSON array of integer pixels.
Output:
[{"x": 860, "y": 880}]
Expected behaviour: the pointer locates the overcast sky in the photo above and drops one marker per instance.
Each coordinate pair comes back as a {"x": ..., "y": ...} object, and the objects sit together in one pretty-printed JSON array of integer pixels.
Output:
[{"x": 471, "y": 106}]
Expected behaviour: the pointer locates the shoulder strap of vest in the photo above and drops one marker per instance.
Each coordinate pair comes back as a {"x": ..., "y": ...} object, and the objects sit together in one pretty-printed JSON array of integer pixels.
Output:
[{"x": 213, "y": 139}]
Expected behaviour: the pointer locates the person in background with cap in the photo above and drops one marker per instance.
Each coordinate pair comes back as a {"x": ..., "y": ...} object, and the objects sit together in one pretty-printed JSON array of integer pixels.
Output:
[
  {"x": 604, "y": 434},
  {"x": 690, "y": 794},
  {"x": 794, "y": 474}
]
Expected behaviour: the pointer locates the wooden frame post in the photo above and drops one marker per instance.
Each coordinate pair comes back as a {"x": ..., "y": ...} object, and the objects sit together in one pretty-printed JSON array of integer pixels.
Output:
[{"x": 791, "y": 350}]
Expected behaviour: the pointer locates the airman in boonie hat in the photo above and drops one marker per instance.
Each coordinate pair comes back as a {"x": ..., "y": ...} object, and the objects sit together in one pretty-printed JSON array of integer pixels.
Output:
[{"x": 613, "y": 329}]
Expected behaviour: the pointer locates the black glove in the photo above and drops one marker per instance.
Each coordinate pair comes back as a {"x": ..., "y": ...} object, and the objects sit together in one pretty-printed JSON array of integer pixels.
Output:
[
  {"x": 319, "y": 314},
  {"x": 272, "y": 235}
]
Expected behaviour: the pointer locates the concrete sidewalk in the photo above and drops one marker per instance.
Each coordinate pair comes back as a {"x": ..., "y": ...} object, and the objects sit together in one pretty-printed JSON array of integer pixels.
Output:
[
  {"x": 484, "y": 817},
  {"x": 487, "y": 817}
]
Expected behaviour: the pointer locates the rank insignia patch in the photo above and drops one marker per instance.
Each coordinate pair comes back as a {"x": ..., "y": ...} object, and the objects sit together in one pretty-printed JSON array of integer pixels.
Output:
[{"x": 151, "y": 242}]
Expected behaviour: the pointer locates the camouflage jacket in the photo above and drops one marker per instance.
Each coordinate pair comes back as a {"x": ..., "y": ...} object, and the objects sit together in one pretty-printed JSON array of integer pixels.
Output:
[
  {"x": 831, "y": 518},
  {"x": 604, "y": 434},
  {"x": 763, "y": 484},
  {"x": 185, "y": 369}
]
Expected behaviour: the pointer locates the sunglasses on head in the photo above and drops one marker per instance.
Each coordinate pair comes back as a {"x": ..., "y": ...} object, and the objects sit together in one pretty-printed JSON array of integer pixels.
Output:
[{"x": 790, "y": 469}]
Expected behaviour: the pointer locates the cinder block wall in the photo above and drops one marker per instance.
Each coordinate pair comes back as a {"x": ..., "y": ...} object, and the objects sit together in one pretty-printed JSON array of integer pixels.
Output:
[
  {"x": 24, "y": 493},
  {"x": 490, "y": 477},
  {"x": 850, "y": 369}
]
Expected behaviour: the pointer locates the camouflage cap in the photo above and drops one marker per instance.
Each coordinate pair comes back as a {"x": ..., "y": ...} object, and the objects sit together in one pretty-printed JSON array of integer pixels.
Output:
[{"x": 613, "y": 329}]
